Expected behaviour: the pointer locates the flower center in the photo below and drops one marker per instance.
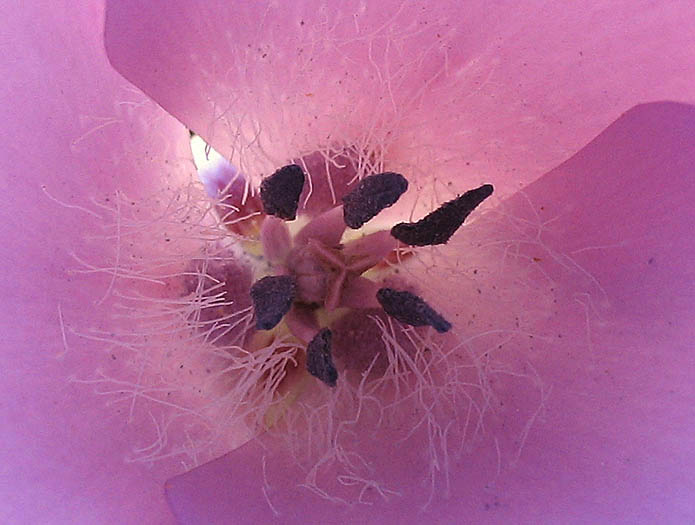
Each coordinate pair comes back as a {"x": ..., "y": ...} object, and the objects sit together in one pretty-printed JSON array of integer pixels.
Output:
[{"x": 315, "y": 272}]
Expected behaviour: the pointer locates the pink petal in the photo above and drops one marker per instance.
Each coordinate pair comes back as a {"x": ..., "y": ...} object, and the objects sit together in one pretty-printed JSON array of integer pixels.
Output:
[
  {"x": 302, "y": 323},
  {"x": 453, "y": 91},
  {"x": 65, "y": 464},
  {"x": 360, "y": 292},
  {"x": 369, "y": 250},
  {"x": 68, "y": 125},
  {"x": 326, "y": 228},
  {"x": 275, "y": 238},
  {"x": 612, "y": 441}
]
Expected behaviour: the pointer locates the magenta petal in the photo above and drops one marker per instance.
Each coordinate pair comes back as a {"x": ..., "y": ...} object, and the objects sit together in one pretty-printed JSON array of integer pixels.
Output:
[
  {"x": 326, "y": 228},
  {"x": 302, "y": 323},
  {"x": 68, "y": 127},
  {"x": 629, "y": 226},
  {"x": 614, "y": 442},
  {"x": 275, "y": 238},
  {"x": 360, "y": 292},
  {"x": 503, "y": 83},
  {"x": 369, "y": 250}
]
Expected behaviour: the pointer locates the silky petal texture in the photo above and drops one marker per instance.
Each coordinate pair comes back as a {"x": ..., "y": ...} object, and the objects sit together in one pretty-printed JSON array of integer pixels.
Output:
[
  {"x": 450, "y": 91},
  {"x": 451, "y": 97},
  {"x": 613, "y": 441},
  {"x": 73, "y": 126},
  {"x": 55, "y": 465}
]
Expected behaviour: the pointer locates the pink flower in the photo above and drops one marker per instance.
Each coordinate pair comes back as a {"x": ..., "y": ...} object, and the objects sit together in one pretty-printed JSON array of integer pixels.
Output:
[{"x": 571, "y": 299}]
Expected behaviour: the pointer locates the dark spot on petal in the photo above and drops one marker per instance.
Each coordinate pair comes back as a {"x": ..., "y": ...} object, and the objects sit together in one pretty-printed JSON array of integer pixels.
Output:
[
  {"x": 442, "y": 223},
  {"x": 272, "y": 299},
  {"x": 280, "y": 192},
  {"x": 372, "y": 194},
  {"x": 408, "y": 308},
  {"x": 319, "y": 362}
]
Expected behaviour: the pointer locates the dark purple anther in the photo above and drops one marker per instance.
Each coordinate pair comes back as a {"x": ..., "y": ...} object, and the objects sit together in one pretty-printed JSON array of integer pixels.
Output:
[
  {"x": 272, "y": 299},
  {"x": 408, "y": 308},
  {"x": 280, "y": 192},
  {"x": 442, "y": 223},
  {"x": 319, "y": 362},
  {"x": 372, "y": 194}
]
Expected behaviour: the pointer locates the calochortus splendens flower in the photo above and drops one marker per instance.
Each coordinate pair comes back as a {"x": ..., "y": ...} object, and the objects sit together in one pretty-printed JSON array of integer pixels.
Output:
[
  {"x": 319, "y": 274},
  {"x": 301, "y": 327}
]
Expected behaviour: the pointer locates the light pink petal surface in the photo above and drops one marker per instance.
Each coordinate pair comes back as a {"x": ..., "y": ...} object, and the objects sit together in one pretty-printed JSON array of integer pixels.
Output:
[
  {"x": 461, "y": 89},
  {"x": 72, "y": 124},
  {"x": 613, "y": 444}
]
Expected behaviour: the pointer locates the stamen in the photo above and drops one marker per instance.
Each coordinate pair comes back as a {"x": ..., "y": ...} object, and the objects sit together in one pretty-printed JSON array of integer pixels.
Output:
[
  {"x": 319, "y": 362},
  {"x": 280, "y": 192},
  {"x": 438, "y": 226},
  {"x": 372, "y": 194},
  {"x": 408, "y": 308},
  {"x": 272, "y": 298}
]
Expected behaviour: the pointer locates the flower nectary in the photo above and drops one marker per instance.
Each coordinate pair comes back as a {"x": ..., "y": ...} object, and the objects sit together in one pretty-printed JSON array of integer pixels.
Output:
[{"x": 315, "y": 270}]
